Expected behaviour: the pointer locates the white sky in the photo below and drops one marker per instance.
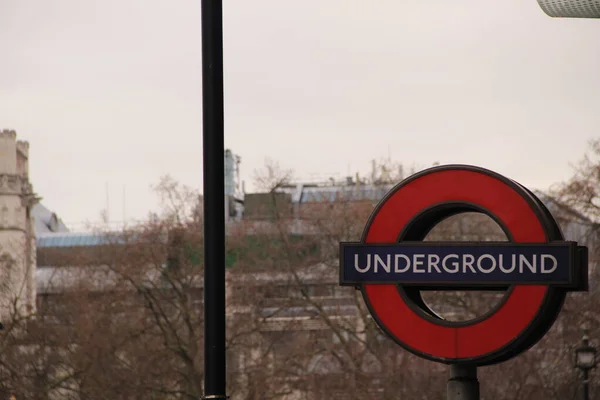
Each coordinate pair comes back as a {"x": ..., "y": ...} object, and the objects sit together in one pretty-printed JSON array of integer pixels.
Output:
[{"x": 110, "y": 91}]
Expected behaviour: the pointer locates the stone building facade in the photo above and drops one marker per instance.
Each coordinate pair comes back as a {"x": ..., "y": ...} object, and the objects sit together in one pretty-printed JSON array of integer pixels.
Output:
[{"x": 17, "y": 234}]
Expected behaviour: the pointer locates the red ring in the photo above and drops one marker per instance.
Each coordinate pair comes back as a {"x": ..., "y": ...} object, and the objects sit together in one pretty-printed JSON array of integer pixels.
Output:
[{"x": 483, "y": 337}]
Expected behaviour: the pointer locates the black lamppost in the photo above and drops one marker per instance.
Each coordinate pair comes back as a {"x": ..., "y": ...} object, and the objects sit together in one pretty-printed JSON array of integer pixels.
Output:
[{"x": 585, "y": 360}]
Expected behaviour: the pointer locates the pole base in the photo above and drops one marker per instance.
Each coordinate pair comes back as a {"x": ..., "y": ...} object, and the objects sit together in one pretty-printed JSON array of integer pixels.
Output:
[{"x": 463, "y": 383}]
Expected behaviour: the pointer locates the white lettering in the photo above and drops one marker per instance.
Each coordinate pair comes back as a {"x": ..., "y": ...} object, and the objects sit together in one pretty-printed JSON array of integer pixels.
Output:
[
  {"x": 359, "y": 269},
  {"x": 397, "y": 263},
  {"x": 417, "y": 261},
  {"x": 379, "y": 260},
  {"x": 432, "y": 262},
  {"x": 480, "y": 262},
  {"x": 512, "y": 267},
  {"x": 468, "y": 261},
  {"x": 523, "y": 261},
  {"x": 454, "y": 264},
  {"x": 543, "y": 268}
]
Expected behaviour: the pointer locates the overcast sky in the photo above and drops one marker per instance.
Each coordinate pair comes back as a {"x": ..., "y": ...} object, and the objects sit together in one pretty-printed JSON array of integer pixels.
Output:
[{"x": 110, "y": 91}]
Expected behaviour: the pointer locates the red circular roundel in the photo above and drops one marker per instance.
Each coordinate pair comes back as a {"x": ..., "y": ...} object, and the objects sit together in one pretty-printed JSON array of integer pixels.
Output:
[{"x": 408, "y": 212}]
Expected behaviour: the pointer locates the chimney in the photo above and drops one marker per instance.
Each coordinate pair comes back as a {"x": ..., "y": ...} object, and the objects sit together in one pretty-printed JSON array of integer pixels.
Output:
[
  {"x": 23, "y": 158},
  {"x": 373, "y": 171},
  {"x": 8, "y": 152}
]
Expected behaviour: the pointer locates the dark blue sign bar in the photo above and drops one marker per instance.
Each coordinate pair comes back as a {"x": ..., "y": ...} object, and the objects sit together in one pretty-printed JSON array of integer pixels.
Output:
[{"x": 457, "y": 263}]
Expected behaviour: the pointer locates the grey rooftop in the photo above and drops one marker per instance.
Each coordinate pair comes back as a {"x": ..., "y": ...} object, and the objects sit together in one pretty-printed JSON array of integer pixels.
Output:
[{"x": 70, "y": 239}]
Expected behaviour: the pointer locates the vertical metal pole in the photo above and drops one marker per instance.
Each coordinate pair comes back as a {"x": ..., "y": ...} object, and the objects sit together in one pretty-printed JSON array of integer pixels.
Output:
[
  {"x": 585, "y": 385},
  {"x": 463, "y": 383},
  {"x": 214, "y": 199}
]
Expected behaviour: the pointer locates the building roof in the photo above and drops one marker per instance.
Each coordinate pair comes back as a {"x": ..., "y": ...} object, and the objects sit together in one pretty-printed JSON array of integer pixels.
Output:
[
  {"x": 315, "y": 193},
  {"x": 577, "y": 228},
  {"x": 70, "y": 239},
  {"x": 46, "y": 221}
]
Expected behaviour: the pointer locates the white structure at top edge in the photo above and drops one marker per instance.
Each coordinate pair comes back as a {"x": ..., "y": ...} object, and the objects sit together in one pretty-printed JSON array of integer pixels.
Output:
[{"x": 571, "y": 8}]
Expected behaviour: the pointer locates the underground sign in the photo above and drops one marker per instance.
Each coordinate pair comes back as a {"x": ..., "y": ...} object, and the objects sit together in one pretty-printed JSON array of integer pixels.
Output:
[{"x": 392, "y": 264}]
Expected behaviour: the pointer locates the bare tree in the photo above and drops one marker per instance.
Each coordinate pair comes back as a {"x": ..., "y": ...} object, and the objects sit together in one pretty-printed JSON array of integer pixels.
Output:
[
  {"x": 360, "y": 353},
  {"x": 125, "y": 321}
]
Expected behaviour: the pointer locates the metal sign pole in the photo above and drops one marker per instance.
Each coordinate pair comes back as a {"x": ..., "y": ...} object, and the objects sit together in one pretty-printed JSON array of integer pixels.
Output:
[
  {"x": 463, "y": 383},
  {"x": 214, "y": 199}
]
